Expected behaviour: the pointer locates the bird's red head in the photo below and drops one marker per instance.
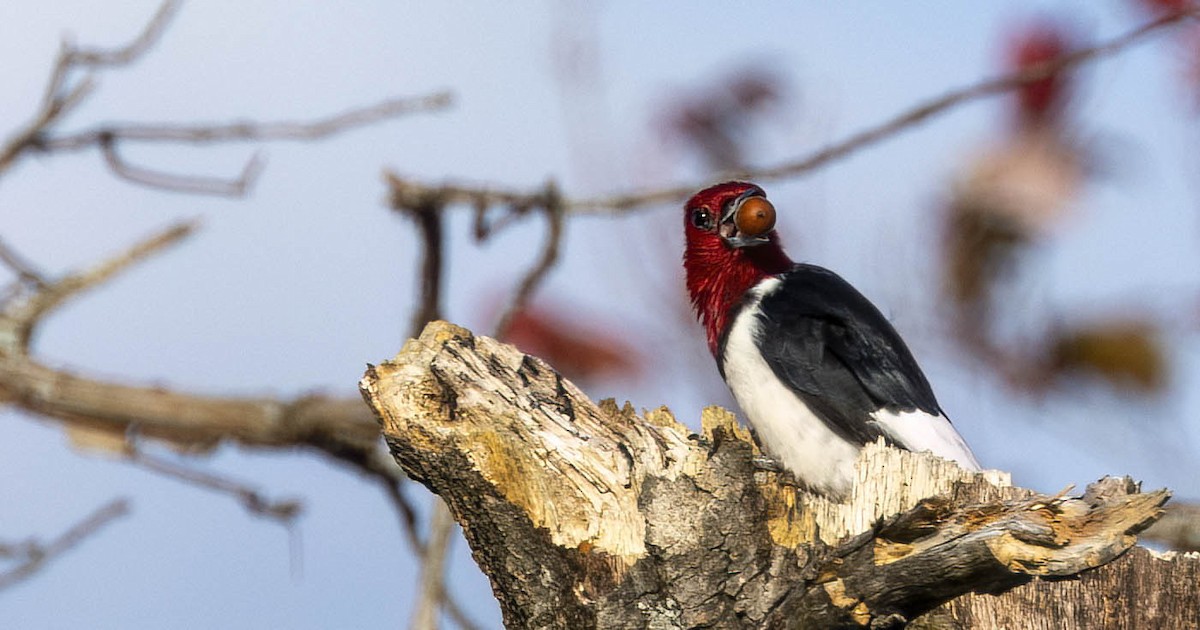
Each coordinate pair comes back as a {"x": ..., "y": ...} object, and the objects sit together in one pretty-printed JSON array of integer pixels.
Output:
[{"x": 731, "y": 245}]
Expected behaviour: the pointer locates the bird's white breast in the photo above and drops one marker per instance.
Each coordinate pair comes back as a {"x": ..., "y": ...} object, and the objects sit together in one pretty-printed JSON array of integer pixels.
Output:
[{"x": 787, "y": 429}]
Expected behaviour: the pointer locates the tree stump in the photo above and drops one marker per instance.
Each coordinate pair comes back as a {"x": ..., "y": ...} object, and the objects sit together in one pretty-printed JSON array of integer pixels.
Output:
[{"x": 587, "y": 515}]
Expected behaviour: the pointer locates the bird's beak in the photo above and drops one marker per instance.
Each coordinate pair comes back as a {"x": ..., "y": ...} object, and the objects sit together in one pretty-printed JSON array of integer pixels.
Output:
[{"x": 728, "y": 229}]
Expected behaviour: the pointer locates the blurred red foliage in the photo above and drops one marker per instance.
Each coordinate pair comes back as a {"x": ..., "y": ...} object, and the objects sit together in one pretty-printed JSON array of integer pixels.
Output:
[
  {"x": 1167, "y": 7},
  {"x": 716, "y": 121},
  {"x": 581, "y": 352},
  {"x": 1039, "y": 43}
]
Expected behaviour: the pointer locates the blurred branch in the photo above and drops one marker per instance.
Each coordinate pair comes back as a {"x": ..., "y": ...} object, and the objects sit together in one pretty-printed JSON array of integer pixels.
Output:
[
  {"x": 317, "y": 129},
  {"x": 519, "y": 202},
  {"x": 285, "y": 512},
  {"x": 130, "y": 52},
  {"x": 193, "y": 184},
  {"x": 342, "y": 428},
  {"x": 63, "y": 95},
  {"x": 21, "y": 267},
  {"x": 185, "y": 420},
  {"x": 35, "y": 555},
  {"x": 432, "y": 587},
  {"x": 428, "y": 218},
  {"x": 1178, "y": 529},
  {"x": 393, "y": 486},
  {"x": 20, "y": 315},
  {"x": 551, "y": 204}
]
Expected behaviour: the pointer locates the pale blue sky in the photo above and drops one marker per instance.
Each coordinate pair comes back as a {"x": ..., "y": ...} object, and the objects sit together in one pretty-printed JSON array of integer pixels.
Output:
[{"x": 297, "y": 287}]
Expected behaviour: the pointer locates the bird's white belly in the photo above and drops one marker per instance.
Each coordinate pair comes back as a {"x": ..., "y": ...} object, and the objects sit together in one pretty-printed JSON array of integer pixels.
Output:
[{"x": 787, "y": 429}]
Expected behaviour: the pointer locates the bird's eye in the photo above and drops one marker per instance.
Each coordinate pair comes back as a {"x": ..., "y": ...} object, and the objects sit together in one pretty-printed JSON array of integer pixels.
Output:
[
  {"x": 702, "y": 218},
  {"x": 755, "y": 217}
]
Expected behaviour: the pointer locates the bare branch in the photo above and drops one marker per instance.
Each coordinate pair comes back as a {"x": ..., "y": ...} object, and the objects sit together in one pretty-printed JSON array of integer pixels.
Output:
[
  {"x": 486, "y": 196},
  {"x": 23, "y": 268},
  {"x": 186, "y": 420},
  {"x": 21, "y": 314},
  {"x": 61, "y": 97},
  {"x": 337, "y": 426},
  {"x": 251, "y": 130},
  {"x": 193, "y": 184},
  {"x": 284, "y": 512},
  {"x": 393, "y": 487},
  {"x": 36, "y": 555},
  {"x": 130, "y": 52},
  {"x": 406, "y": 193},
  {"x": 58, "y": 99},
  {"x": 428, "y": 218},
  {"x": 433, "y": 568},
  {"x": 551, "y": 203},
  {"x": 620, "y": 204}
]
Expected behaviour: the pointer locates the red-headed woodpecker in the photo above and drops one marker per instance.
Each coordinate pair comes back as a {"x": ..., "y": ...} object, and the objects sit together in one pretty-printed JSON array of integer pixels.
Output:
[{"x": 816, "y": 368}]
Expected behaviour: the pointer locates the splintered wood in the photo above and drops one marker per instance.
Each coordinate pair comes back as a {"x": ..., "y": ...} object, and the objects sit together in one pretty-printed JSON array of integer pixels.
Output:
[{"x": 590, "y": 515}]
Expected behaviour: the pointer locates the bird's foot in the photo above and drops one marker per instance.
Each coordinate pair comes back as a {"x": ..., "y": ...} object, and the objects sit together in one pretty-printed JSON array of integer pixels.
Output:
[{"x": 783, "y": 476}]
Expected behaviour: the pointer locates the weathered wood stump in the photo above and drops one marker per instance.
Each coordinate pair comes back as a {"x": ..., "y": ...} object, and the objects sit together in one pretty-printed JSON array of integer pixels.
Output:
[{"x": 587, "y": 515}]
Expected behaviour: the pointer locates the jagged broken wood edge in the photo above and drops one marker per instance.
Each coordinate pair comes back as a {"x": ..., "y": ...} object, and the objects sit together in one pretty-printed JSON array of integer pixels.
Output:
[{"x": 585, "y": 514}]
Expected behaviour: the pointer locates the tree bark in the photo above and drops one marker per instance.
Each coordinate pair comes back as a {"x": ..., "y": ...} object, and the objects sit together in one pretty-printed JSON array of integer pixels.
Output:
[{"x": 587, "y": 515}]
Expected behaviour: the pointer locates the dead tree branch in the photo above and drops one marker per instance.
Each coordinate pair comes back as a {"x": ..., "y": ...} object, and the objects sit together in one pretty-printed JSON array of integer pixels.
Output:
[
  {"x": 34, "y": 556},
  {"x": 587, "y": 515},
  {"x": 97, "y": 412},
  {"x": 65, "y": 93},
  {"x": 244, "y": 131},
  {"x": 185, "y": 420}
]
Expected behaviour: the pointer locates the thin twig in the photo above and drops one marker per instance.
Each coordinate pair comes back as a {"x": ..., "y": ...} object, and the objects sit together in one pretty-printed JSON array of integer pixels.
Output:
[
  {"x": 61, "y": 97},
  {"x": 23, "y": 268},
  {"x": 394, "y": 488},
  {"x": 433, "y": 597},
  {"x": 368, "y": 459},
  {"x": 37, "y": 555},
  {"x": 302, "y": 130},
  {"x": 284, "y": 512},
  {"x": 392, "y": 479},
  {"x": 133, "y": 50},
  {"x": 433, "y": 568},
  {"x": 551, "y": 203},
  {"x": 455, "y": 612},
  {"x": 192, "y": 184},
  {"x": 21, "y": 314},
  {"x": 58, "y": 99},
  {"x": 620, "y": 204}
]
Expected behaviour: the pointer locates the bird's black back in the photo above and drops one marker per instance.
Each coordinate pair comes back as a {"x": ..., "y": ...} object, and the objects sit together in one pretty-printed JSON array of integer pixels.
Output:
[{"x": 838, "y": 353}]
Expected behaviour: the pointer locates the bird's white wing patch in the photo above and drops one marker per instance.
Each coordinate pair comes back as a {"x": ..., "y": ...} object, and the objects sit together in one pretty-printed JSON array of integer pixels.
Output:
[
  {"x": 920, "y": 431},
  {"x": 787, "y": 429}
]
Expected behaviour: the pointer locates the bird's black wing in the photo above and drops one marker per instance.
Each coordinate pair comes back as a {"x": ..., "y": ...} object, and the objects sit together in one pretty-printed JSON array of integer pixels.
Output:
[{"x": 838, "y": 353}]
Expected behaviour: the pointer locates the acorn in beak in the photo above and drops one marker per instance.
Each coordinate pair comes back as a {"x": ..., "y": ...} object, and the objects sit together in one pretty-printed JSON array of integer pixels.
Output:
[{"x": 747, "y": 220}]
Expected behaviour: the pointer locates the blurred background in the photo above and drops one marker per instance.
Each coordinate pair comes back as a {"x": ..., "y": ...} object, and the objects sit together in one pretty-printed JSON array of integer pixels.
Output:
[{"x": 1038, "y": 249}]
